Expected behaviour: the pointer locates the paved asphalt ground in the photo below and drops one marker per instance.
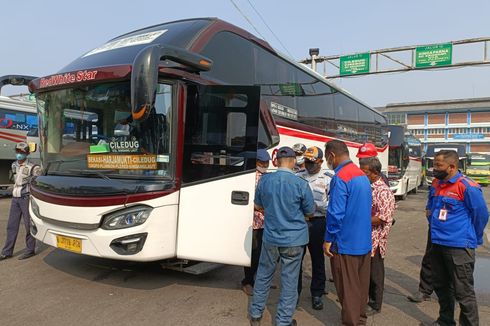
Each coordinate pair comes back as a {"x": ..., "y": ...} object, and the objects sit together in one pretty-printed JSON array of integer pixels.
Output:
[{"x": 61, "y": 288}]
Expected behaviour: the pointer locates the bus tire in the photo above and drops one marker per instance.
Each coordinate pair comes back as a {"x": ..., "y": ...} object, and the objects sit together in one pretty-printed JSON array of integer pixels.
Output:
[
  {"x": 415, "y": 190},
  {"x": 404, "y": 196}
]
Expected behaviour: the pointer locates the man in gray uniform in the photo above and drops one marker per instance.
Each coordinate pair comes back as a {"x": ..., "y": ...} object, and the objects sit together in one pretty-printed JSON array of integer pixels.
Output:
[
  {"x": 319, "y": 183},
  {"x": 23, "y": 171}
]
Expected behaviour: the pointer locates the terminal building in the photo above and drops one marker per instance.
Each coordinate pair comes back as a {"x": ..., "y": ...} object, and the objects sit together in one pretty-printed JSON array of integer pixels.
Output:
[{"x": 463, "y": 121}]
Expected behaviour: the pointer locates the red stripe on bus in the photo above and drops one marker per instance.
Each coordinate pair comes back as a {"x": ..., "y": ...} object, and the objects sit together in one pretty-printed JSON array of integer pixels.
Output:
[
  {"x": 97, "y": 201},
  {"x": 13, "y": 138},
  {"x": 316, "y": 137}
]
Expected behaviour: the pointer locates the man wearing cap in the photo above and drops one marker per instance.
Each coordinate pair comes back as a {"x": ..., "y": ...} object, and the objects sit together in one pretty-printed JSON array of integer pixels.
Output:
[
  {"x": 286, "y": 199},
  {"x": 348, "y": 234},
  {"x": 23, "y": 171},
  {"x": 319, "y": 184},
  {"x": 369, "y": 150},
  {"x": 263, "y": 159},
  {"x": 299, "y": 149}
]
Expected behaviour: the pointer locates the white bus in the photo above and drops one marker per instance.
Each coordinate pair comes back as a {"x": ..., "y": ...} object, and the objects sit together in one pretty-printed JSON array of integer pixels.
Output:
[
  {"x": 404, "y": 162},
  {"x": 18, "y": 117},
  {"x": 174, "y": 121}
]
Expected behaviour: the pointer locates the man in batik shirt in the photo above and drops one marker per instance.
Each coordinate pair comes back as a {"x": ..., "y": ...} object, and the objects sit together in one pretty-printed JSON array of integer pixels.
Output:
[{"x": 381, "y": 218}]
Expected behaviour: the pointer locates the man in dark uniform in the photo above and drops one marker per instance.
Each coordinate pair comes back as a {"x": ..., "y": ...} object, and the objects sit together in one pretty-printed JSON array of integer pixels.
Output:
[{"x": 23, "y": 171}]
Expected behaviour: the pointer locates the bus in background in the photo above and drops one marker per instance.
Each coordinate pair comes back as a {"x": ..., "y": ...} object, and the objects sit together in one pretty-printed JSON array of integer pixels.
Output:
[
  {"x": 432, "y": 149},
  {"x": 18, "y": 117},
  {"x": 404, "y": 162},
  {"x": 478, "y": 168},
  {"x": 161, "y": 163}
]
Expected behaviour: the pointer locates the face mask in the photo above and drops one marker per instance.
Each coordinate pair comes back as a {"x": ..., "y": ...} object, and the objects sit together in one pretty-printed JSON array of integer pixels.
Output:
[
  {"x": 261, "y": 169},
  {"x": 312, "y": 168},
  {"x": 441, "y": 175},
  {"x": 20, "y": 156},
  {"x": 300, "y": 160}
]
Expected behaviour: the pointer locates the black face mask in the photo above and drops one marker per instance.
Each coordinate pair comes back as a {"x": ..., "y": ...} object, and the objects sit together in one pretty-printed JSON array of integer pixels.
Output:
[
  {"x": 441, "y": 175},
  {"x": 311, "y": 167}
]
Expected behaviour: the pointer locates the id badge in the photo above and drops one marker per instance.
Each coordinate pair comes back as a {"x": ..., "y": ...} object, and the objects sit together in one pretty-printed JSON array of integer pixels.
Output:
[{"x": 443, "y": 214}]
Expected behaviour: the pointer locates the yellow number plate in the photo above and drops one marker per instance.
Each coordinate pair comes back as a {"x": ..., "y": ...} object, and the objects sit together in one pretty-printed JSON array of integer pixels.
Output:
[{"x": 68, "y": 243}]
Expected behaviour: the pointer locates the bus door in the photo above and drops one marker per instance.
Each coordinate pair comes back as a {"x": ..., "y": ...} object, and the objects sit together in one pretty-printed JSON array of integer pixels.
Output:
[{"x": 218, "y": 174}]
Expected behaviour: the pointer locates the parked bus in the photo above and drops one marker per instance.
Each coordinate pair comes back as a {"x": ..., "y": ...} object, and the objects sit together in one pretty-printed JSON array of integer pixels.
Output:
[
  {"x": 404, "y": 162},
  {"x": 432, "y": 149},
  {"x": 17, "y": 117},
  {"x": 162, "y": 161},
  {"x": 478, "y": 168}
]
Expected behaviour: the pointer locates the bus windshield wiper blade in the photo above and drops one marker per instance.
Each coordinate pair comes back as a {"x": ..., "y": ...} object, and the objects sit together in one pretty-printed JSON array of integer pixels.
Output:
[
  {"x": 92, "y": 172},
  {"x": 60, "y": 161}
]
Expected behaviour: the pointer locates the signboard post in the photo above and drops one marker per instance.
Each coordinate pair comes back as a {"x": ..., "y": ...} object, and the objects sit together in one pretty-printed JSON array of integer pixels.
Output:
[
  {"x": 433, "y": 55},
  {"x": 355, "y": 64}
]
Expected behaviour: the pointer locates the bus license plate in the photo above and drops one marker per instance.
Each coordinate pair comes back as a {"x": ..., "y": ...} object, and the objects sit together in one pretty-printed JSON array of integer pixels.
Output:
[{"x": 68, "y": 243}]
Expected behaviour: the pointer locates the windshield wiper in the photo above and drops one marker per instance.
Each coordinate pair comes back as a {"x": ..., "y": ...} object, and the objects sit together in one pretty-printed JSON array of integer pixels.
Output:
[
  {"x": 91, "y": 172},
  {"x": 59, "y": 162}
]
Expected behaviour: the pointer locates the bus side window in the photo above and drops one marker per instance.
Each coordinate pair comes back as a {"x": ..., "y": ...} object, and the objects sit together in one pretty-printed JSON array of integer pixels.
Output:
[{"x": 215, "y": 142}]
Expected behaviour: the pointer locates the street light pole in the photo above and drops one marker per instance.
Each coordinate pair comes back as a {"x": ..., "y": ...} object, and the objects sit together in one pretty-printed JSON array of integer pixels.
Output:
[{"x": 314, "y": 54}]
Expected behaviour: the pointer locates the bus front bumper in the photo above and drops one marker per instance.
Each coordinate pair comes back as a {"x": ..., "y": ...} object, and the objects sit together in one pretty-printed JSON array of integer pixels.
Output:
[{"x": 151, "y": 241}]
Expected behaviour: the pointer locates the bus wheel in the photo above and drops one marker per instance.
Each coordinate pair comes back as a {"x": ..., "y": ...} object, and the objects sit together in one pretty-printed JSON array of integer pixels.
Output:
[
  {"x": 415, "y": 190},
  {"x": 404, "y": 196}
]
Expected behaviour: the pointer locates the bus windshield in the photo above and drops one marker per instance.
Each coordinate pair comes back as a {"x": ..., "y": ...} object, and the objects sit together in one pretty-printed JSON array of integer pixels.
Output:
[
  {"x": 89, "y": 131},
  {"x": 394, "y": 160}
]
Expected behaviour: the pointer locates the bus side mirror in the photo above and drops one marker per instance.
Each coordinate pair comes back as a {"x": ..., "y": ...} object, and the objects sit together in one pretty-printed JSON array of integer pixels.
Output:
[
  {"x": 32, "y": 147},
  {"x": 144, "y": 74}
]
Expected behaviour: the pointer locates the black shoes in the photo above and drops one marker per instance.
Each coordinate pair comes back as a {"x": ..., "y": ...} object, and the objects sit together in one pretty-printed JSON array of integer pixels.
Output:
[
  {"x": 419, "y": 297},
  {"x": 3, "y": 257},
  {"x": 317, "y": 303},
  {"x": 26, "y": 255},
  {"x": 370, "y": 311},
  {"x": 255, "y": 321}
]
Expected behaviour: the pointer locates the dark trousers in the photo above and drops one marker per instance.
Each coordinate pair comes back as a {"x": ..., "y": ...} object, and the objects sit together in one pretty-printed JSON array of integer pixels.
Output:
[
  {"x": 256, "y": 249},
  {"x": 425, "y": 285},
  {"x": 377, "y": 281},
  {"x": 316, "y": 228},
  {"x": 351, "y": 279},
  {"x": 19, "y": 209},
  {"x": 452, "y": 274}
]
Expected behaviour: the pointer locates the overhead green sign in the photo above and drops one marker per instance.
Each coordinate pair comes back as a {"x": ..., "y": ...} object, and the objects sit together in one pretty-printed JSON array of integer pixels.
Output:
[
  {"x": 433, "y": 55},
  {"x": 355, "y": 64}
]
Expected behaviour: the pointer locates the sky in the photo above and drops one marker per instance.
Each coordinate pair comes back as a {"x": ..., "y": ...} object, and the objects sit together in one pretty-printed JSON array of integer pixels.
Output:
[{"x": 40, "y": 37}]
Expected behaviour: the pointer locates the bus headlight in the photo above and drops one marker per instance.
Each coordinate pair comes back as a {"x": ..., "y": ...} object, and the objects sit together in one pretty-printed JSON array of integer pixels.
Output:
[
  {"x": 35, "y": 208},
  {"x": 126, "y": 218},
  {"x": 394, "y": 183}
]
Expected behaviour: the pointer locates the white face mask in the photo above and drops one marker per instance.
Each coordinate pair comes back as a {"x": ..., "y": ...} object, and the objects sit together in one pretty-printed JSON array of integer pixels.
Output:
[
  {"x": 261, "y": 169},
  {"x": 300, "y": 159}
]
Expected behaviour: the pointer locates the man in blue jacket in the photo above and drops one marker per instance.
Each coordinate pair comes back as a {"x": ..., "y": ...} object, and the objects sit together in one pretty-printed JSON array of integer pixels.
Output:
[
  {"x": 348, "y": 235},
  {"x": 286, "y": 199},
  {"x": 457, "y": 215}
]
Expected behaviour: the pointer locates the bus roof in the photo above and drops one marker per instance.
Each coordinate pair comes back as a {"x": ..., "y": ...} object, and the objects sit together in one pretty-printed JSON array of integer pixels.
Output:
[
  {"x": 432, "y": 149},
  {"x": 188, "y": 34},
  {"x": 17, "y": 104}
]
